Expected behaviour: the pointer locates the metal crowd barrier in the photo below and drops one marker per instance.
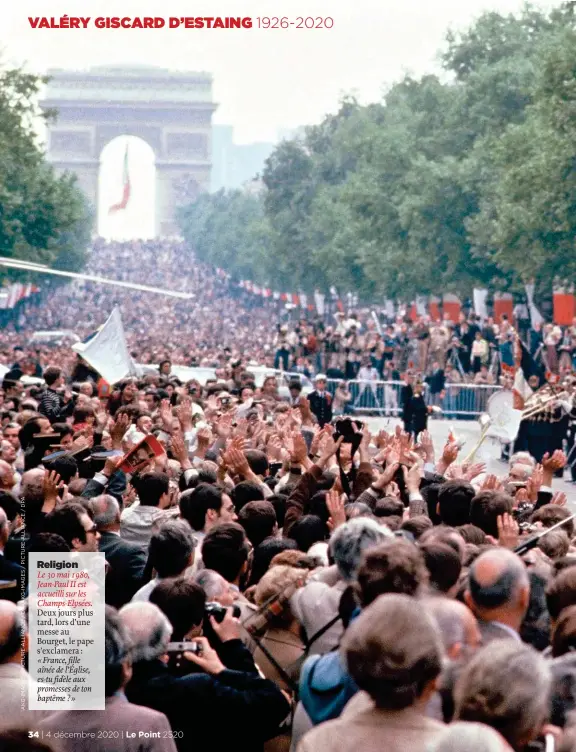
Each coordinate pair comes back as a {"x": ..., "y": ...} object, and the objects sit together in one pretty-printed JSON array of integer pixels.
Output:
[{"x": 458, "y": 401}]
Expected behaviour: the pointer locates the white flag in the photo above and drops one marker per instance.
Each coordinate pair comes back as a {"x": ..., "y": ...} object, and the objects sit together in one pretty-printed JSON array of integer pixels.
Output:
[
  {"x": 480, "y": 308},
  {"x": 535, "y": 315},
  {"x": 319, "y": 300},
  {"x": 389, "y": 308},
  {"x": 107, "y": 352}
]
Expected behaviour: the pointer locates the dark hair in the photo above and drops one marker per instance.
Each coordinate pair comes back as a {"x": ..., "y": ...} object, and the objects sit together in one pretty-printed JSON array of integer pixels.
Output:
[
  {"x": 318, "y": 507},
  {"x": 564, "y": 563},
  {"x": 561, "y": 592},
  {"x": 258, "y": 519},
  {"x": 150, "y": 488},
  {"x": 46, "y": 543},
  {"x": 65, "y": 521},
  {"x": 472, "y": 534},
  {"x": 183, "y": 603},
  {"x": 443, "y": 564},
  {"x": 417, "y": 525},
  {"x": 52, "y": 374},
  {"x": 388, "y": 507},
  {"x": 265, "y": 552},
  {"x": 535, "y": 628},
  {"x": 486, "y": 507},
  {"x": 550, "y": 514},
  {"x": 258, "y": 461},
  {"x": 245, "y": 492},
  {"x": 454, "y": 499},
  {"x": 278, "y": 501},
  {"x": 307, "y": 531},
  {"x": 393, "y": 523},
  {"x": 64, "y": 429},
  {"x": 171, "y": 548},
  {"x": 66, "y": 467},
  {"x": 82, "y": 412},
  {"x": 395, "y": 566},
  {"x": 195, "y": 503},
  {"x": 10, "y": 504},
  {"x": 225, "y": 550},
  {"x": 564, "y": 637}
]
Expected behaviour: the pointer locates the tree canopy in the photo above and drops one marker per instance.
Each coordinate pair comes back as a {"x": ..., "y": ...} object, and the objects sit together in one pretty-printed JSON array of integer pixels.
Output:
[
  {"x": 453, "y": 181},
  {"x": 43, "y": 218}
]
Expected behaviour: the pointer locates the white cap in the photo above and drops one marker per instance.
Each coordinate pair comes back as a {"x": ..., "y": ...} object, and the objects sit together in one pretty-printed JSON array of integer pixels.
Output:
[{"x": 320, "y": 377}]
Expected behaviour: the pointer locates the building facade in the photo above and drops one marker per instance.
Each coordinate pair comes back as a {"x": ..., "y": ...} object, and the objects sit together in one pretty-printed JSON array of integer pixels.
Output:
[{"x": 171, "y": 111}]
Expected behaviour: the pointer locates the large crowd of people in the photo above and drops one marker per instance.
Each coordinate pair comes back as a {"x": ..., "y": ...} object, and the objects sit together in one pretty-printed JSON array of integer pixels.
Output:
[
  {"x": 278, "y": 576},
  {"x": 367, "y": 350},
  {"x": 223, "y": 321}
]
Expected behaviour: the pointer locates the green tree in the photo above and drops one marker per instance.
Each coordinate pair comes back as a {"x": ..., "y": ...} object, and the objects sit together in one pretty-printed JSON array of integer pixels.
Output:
[{"x": 43, "y": 218}]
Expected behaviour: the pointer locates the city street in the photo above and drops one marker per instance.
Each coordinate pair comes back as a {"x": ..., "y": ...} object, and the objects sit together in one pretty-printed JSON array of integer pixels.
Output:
[{"x": 469, "y": 431}]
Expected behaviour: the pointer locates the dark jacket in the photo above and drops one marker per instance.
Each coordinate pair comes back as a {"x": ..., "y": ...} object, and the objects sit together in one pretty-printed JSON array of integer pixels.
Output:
[
  {"x": 116, "y": 487},
  {"x": 235, "y": 710},
  {"x": 10, "y": 573},
  {"x": 436, "y": 381},
  {"x": 127, "y": 562},
  {"x": 321, "y": 406}
]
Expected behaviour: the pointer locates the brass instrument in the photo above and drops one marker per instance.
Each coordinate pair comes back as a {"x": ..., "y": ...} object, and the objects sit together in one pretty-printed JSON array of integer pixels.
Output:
[
  {"x": 543, "y": 404},
  {"x": 485, "y": 422}
]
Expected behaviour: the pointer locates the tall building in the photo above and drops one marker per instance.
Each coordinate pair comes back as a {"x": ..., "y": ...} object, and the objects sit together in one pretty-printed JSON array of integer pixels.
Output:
[{"x": 233, "y": 165}]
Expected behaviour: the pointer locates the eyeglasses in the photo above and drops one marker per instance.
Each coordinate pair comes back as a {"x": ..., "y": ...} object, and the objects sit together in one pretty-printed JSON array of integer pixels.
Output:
[{"x": 93, "y": 529}]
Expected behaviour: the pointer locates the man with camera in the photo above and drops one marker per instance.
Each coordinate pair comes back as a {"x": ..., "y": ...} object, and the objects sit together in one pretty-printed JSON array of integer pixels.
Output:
[{"x": 223, "y": 685}]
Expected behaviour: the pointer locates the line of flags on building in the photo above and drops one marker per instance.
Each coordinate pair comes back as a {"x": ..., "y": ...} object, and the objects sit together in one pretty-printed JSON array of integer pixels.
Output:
[
  {"x": 10, "y": 296},
  {"x": 447, "y": 307}
]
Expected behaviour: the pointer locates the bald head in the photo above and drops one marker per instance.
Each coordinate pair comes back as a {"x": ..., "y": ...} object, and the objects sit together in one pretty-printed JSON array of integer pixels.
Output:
[
  {"x": 498, "y": 582},
  {"x": 457, "y": 624},
  {"x": 11, "y": 632},
  {"x": 149, "y": 630},
  {"x": 106, "y": 511},
  {"x": 33, "y": 485}
]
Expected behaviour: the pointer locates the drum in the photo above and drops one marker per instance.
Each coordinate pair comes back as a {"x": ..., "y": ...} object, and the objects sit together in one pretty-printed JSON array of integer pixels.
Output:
[{"x": 505, "y": 419}]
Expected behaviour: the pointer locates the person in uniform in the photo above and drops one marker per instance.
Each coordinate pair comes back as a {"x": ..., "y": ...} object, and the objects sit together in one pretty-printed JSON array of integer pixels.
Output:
[
  {"x": 545, "y": 425},
  {"x": 321, "y": 401},
  {"x": 415, "y": 411}
]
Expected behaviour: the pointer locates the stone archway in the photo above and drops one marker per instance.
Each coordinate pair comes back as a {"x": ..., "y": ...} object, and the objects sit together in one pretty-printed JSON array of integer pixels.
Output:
[{"x": 171, "y": 111}]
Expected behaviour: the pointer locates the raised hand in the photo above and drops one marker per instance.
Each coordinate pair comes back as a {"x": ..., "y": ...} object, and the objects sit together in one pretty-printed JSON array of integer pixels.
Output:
[
  {"x": 336, "y": 508},
  {"x": 490, "y": 483},
  {"x": 559, "y": 499},
  {"x": 534, "y": 483},
  {"x": 473, "y": 471},
  {"x": 555, "y": 462},
  {"x": 184, "y": 414},
  {"x": 427, "y": 445},
  {"x": 166, "y": 415},
  {"x": 508, "y": 531},
  {"x": 119, "y": 429},
  {"x": 299, "y": 450}
]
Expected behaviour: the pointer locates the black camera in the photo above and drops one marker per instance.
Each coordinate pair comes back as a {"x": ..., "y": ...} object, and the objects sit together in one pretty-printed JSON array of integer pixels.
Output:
[
  {"x": 219, "y": 612},
  {"x": 350, "y": 430},
  {"x": 184, "y": 647}
]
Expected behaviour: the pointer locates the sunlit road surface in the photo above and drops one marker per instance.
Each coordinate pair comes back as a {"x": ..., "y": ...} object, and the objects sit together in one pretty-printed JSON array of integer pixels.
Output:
[{"x": 469, "y": 431}]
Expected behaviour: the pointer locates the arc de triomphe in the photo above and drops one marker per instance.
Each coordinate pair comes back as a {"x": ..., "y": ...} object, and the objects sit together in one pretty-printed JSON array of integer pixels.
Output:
[{"x": 171, "y": 111}]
